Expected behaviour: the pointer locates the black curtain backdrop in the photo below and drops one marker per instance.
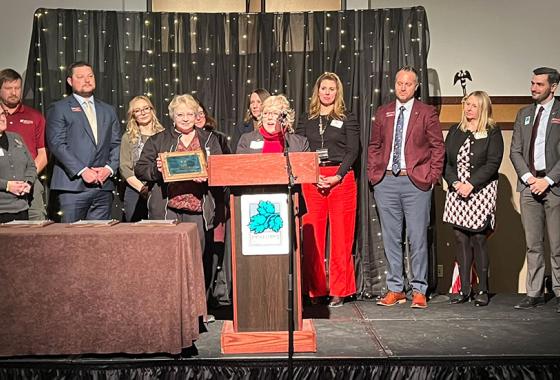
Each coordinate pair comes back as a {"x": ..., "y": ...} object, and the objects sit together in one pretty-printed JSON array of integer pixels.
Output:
[{"x": 221, "y": 58}]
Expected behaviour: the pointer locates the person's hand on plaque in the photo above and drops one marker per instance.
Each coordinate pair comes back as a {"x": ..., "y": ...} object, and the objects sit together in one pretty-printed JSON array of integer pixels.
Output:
[{"x": 159, "y": 164}]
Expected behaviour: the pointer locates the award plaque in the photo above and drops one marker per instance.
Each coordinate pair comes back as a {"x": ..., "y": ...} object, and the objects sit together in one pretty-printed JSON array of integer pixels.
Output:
[{"x": 181, "y": 166}]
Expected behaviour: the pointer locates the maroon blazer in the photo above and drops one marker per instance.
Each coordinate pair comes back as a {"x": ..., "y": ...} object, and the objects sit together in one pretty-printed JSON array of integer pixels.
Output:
[{"x": 424, "y": 150}]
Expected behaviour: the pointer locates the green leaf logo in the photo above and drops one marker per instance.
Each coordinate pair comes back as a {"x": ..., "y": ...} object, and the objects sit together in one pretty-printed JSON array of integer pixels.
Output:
[{"x": 266, "y": 218}]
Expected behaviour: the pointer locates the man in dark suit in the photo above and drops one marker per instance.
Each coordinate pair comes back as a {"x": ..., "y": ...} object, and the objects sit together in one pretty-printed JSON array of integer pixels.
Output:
[
  {"x": 84, "y": 136},
  {"x": 405, "y": 161},
  {"x": 535, "y": 154}
]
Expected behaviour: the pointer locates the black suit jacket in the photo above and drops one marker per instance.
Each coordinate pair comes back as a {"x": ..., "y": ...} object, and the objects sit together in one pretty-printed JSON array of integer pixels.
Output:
[{"x": 486, "y": 156}]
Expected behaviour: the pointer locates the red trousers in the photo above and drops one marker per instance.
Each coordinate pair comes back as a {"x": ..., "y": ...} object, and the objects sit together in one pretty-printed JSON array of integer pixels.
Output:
[{"x": 338, "y": 206}]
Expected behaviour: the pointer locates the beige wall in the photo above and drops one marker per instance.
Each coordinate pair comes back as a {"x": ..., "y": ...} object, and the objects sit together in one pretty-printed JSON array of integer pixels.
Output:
[
  {"x": 498, "y": 41},
  {"x": 219, "y": 6}
]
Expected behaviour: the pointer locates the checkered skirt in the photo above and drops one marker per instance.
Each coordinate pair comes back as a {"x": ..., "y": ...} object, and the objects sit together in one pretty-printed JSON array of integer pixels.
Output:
[{"x": 478, "y": 210}]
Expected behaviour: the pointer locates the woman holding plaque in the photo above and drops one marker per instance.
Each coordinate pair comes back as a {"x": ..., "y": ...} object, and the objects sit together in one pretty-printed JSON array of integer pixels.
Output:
[
  {"x": 189, "y": 200},
  {"x": 335, "y": 135},
  {"x": 275, "y": 128},
  {"x": 142, "y": 123},
  {"x": 252, "y": 115},
  {"x": 17, "y": 175},
  {"x": 473, "y": 150}
]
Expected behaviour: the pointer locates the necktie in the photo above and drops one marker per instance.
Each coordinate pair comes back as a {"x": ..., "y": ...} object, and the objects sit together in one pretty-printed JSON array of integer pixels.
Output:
[
  {"x": 91, "y": 118},
  {"x": 396, "y": 168},
  {"x": 533, "y": 138}
]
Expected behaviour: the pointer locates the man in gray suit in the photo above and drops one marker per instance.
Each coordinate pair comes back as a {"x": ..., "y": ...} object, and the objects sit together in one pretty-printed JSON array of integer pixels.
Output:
[
  {"x": 84, "y": 136},
  {"x": 535, "y": 154}
]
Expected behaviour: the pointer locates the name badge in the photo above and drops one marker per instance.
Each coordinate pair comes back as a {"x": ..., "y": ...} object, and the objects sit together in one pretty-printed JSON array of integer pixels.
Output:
[
  {"x": 256, "y": 145},
  {"x": 337, "y": 123},
  {"x": 527, "y": 120},
  {"x": 1, "y": 152},
  {"x": 25, "y": 121},
  {"x": 480, "y": 135},
  {"x": 323, "y": 154}
]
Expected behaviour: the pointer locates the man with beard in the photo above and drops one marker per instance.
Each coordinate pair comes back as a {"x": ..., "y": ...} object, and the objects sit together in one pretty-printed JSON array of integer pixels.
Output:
[
  {"x": 405, "y": 161},
  {"x": 535, "y": 154},
  {"x": 84, "y": 136},
  {"x": 30, "y": 125}
]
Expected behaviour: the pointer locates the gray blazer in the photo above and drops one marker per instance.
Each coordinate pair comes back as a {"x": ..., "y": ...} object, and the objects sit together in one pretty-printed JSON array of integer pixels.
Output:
[
  {"x": 252, "y": 143},
  {"x": 520, "y": 145},
  {"x": 15, "y": 165},
  {"x": 70, "y": 140}
]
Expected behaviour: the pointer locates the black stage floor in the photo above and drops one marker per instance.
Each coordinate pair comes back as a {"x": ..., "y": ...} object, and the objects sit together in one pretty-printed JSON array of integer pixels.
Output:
[
  {"x": 361, "y": 329},
  {"x": 357, "y": 340}
]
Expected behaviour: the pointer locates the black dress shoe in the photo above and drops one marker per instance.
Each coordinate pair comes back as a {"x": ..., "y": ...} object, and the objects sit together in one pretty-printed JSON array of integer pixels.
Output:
[
  {"x": 529, "y": 302},
  {"x": 481, "y": 299},
  {"x": 460, "y": 298}
]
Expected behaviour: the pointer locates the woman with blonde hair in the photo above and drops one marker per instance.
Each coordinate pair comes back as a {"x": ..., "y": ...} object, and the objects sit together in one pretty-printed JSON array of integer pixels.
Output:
[
  {"x": 474, "y": 150},
  {"x": 142, "y": 123},
  {"x": 335, "y": 135},
  {"x": 274, "y": 128},
  {"x": 189, "y": 200}
]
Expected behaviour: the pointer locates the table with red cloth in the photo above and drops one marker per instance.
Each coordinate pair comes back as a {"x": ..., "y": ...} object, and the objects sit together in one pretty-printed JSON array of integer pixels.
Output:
[{"x": 101, "y": 289}]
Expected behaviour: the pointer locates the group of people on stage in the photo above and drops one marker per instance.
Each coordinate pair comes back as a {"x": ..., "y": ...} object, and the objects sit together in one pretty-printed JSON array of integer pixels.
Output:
[{"x": 407, "y": 156}]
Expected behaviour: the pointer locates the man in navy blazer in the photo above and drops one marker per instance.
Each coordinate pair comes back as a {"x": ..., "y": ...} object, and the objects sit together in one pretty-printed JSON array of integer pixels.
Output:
[
  {"x": 84, "y": 136},
  {"x": 405, "y": 161}
]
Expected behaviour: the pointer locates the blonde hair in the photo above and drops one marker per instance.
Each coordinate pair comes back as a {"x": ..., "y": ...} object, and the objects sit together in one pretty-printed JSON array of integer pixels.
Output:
[
  {"x": 279, "y": 103},
  {"x": 186, "y": 100},
  {"x": 132, "y": 128},
  {"x": 485, "y": 121},
  {"x": 339, "y": 109}
]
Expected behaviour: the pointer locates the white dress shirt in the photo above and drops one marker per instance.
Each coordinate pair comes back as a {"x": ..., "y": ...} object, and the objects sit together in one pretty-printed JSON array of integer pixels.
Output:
[{"x": 408, "y": 109}]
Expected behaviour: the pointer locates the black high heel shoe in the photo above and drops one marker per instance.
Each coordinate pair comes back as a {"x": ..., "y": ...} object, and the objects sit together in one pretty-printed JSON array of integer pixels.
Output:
[
  {"x": 461, "y": 298},
  {"x": 481, "y": 299}
]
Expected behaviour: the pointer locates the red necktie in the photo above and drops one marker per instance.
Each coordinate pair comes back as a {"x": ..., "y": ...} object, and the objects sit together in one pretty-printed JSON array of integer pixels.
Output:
[{"x": 533, "y": 138}]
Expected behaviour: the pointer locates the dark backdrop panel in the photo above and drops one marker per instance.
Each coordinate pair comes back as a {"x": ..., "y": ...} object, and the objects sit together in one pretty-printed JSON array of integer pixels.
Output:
[{"x": 220, "y": 58}]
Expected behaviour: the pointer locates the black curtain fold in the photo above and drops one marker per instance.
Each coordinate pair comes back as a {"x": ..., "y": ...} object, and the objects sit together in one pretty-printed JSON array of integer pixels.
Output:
[{"x": 221, "y": 58}]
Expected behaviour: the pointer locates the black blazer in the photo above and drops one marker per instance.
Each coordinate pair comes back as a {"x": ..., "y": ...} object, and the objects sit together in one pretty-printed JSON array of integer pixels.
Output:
[{"x": 486, "y": 156}]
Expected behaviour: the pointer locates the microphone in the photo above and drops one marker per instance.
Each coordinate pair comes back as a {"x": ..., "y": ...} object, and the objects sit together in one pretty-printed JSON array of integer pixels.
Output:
[{"x": 283, "y": 118}]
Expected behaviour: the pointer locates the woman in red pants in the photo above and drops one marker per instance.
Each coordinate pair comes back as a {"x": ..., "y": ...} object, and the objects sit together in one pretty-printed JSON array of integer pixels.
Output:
[{"x": 335, "y": 135}]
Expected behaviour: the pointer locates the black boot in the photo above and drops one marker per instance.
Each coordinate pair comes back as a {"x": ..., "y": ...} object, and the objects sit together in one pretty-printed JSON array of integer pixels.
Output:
[
  {"x": 482, "y": 298},
  {"x": 461, "y": 298}
]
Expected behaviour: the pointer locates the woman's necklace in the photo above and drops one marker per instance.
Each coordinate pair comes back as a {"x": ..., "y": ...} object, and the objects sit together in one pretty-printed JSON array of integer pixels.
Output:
[{"x": 322, "y": 128}]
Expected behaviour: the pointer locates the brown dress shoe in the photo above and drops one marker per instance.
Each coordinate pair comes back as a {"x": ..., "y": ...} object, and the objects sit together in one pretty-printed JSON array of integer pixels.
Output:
[
  {"x": 419, "y": 300},
  {"x": 392, "y": 298}
]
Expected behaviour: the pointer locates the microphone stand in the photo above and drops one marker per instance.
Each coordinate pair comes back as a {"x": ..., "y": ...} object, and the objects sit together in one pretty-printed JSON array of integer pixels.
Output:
[{"x": 291, "y": 257}]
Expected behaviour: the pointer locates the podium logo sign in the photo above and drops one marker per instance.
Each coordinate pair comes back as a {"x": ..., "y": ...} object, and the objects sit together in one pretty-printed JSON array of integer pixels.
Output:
[{"x": 264, "y": 224}]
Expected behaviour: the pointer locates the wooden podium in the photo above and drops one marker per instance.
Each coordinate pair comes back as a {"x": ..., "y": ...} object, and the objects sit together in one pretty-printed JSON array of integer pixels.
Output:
[{"x": 260, "y": 281}]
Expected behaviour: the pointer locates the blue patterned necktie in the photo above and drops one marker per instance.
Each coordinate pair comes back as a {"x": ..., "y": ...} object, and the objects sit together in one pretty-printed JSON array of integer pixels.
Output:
[{"x": 396, "y": 168}]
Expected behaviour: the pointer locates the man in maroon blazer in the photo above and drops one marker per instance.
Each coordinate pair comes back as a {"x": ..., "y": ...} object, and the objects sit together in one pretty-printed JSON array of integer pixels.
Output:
[{"x": 405, "y": 160}]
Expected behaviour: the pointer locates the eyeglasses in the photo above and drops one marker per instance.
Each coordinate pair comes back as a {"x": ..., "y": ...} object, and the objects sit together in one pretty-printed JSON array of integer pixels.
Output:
[
  {"x": 187, "y": 114},
  {"x": 200, "y": 114},
  {"x": 273, "y": 114},
  {"x": 146, "y": 109}
]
